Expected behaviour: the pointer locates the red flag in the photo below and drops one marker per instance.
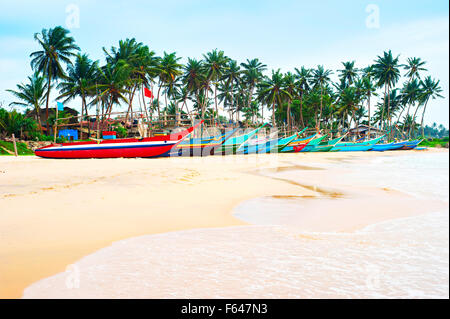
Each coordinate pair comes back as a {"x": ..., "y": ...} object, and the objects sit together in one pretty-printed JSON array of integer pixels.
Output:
[{"x": 148, "y": 93}]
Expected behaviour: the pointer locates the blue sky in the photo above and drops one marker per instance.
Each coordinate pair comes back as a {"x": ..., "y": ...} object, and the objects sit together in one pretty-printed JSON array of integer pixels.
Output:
[{"x": 283, "y": 34}]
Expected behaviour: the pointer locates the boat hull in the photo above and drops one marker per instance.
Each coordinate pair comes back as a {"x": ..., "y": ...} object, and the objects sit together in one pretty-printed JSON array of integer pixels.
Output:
[
  {"x": 386, "y": 147},
  {"x": 128, "y": 148},
  {"x": 200, "y": 146}
]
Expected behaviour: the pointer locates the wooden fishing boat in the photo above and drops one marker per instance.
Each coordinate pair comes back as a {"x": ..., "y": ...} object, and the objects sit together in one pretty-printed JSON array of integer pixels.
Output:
[
  {"x": 313, "y": 145},
  {"x": 356, "y": 146},
  {"x": 282, "y": 143},
  {"x": 409, "y": 145},
  {"x": 326, "y": 146},
  {"x": 231, "y": 145},
  {"x": 200, "y": 146},
  {"x": 269, "y": 144},
  {"x": 130, "y": 147},
  {"x": 387, "y": 147},
  {"x": 258, "y": 145},
  {"x": 298, "y": 144}
]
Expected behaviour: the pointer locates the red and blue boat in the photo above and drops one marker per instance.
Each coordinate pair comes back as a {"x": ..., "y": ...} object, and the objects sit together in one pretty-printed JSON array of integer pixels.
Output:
[{"x": 130, "y": 147}]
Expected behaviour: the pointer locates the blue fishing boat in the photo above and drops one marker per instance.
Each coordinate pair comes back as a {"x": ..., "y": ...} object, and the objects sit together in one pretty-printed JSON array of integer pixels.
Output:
[
  {"x": 232, "y": 144},
  {"x": 268, "y": 144},
  {"x": 356, "y": 146},
  {"x": 201, "y": 146},
  {"x": 409, "y": 145},
  {"x": 387, "y": 147},
  {"x": 290, "y": 148}
]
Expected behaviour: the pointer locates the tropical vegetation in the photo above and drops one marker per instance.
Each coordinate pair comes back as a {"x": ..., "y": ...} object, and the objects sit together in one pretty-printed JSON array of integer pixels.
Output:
[{"x": 388, "y": 94}]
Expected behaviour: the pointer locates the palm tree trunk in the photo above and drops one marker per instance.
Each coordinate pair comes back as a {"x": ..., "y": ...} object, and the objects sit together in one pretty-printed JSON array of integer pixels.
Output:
[
  {"x": 48, "y": 97},
  {"x": 232, "y": 101},
  {"x": 321, "y": 104},
  {"x": 389, "y": 112},
  {"x": 273, "y": 113},
  {"x": 130, "y": 104},
  {"x": 368, "y": 106},
  {"x": 301, "y": 111},
  {"x": 384, "y": 107},
  {"x": 38, "y": 115},
  {"x": 413, "y": 127},
  {"x": 215, "y": 101},
  {"x": 289, "y": 115},
  {"x": 157, "y": 100},
  {"x": 423, "y": 115}
]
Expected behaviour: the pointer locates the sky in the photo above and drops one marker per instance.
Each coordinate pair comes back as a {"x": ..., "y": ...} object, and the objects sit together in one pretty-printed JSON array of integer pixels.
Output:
[{"x": 282, "y": 34}]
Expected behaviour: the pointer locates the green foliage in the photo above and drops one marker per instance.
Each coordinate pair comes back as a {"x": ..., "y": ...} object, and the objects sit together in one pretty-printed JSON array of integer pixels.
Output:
[
  {"x": 442, "y": 142},
  {"x": 15, "y": 123},
  {"x": 120, "y": 130},
  {"x": 22, "y": 148}
]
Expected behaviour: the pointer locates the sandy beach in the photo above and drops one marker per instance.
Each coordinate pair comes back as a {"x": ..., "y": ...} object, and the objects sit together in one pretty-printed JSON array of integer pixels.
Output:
[{"x": 54, "y": 212}]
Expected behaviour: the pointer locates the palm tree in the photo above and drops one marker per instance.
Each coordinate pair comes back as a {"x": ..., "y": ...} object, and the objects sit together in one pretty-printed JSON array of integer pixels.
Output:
[
  {"x": 112, "y": 85},
  {"x": 410, "y": 95},
  {"x": 272, "y": 91},
  {"x": 57, "y": 48},
  {"x": 320, "y": 78},
  {"x": 31, "y": 94},
  {"x": 349, "y": 73},
  {"x": 253, "y": 70},
  {"x": 303, "y": 78},
  {"x": 231, "y": 78},
  {"x": 193, "y": 76},
  {"x": 290, "y": 86},
  {"x": 349, "y": 103},
  {"x": 168, "y": 69},
  {"x": 387, "y": 73},
  {"x": 430, "y": 89},
  {"x": 369, "y": 90},
  {"x": 215, "y": 64},
  {"x": 413, "y": 67},
  {"x": 143, "y": 64},
  {"x": 80, "y": 81}
]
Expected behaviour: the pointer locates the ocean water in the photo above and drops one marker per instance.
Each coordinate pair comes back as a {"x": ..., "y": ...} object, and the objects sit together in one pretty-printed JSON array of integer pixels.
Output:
[{"x": 400, "y": 258}]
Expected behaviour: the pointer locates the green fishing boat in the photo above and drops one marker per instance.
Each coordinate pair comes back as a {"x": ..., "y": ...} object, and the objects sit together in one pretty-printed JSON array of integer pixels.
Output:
[
  {"x": 232, "y": 144},
  {"x": 313, "y": 145},
  {"x": 326, "y": 146}
]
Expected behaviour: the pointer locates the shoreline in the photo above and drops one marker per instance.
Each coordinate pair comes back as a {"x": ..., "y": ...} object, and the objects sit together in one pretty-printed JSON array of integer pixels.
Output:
[{"x": 143, "y": 197}]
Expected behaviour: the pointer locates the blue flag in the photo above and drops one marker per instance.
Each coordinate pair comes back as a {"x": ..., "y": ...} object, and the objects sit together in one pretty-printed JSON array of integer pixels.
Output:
[{"x": 60, "y": 106}]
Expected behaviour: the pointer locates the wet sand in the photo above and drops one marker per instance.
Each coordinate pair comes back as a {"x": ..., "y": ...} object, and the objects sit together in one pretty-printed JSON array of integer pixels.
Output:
[{"x": 54, "y": 212}]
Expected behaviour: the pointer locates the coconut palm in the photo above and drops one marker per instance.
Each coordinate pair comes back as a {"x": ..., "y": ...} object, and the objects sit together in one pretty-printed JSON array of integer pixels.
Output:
[
  {"x": 80, "y": 81},
  {"x": 272, "y": 91},
  {"x": 168, "y": 69},
  {"x": 369, "y": 90},
  {"x": 31, "y": 94},
  {"x": 430, "y": 90},
  {"x": 143, "y": 67},
  {"x": 413, "y": 68},
  {"x": 252, "y": 75},
  {"x": 303, "y": 80},
  {"x": 112, "y": 85},
  {"x": 387, "y": 74},
  {"x": 231, "y": 78},
  {"x": 215, "y": 64},
  {"x": 290, "y": 86},
  {"x": 57, "y": 49},
  {"x": 349, "y": 73},
  {"x": 320, "y": 78},
  {"x": 410, "y": 95},
  {"x": 193, "y": 76}
]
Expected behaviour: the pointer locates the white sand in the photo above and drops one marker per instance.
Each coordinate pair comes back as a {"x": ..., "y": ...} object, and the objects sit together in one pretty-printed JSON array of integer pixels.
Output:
[{"x": 54, "y": 212}]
